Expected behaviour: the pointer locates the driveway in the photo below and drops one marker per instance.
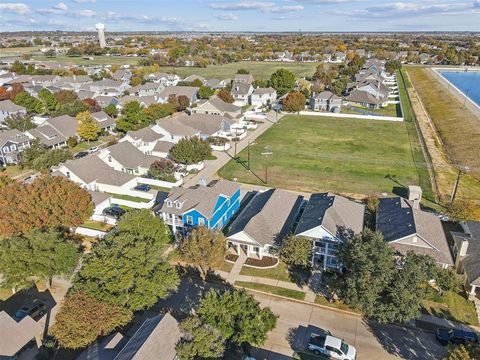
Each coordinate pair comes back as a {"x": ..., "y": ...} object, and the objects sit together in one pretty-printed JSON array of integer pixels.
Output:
[
  {"x": 211, "y": 166},
  {"x": 373, "y": 341}
]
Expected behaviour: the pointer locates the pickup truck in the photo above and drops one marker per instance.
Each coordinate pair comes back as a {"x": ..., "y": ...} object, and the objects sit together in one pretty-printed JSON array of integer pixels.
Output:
[{"x": 330, "y": 346}]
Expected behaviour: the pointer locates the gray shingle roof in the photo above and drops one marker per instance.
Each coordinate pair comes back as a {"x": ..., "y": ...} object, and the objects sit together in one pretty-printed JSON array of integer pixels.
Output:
[
  {"x": 188, "y": 91},
  {"x": 269, "y": 216},
  {"x": 174, "y": 127},
  {"x": 65, "y": 125},
  {"x": 13, "y": 135},
  {"x": 221, "y": 105},
  {"x": 10, "y": 106},
  {"x": 15, "y": 335},
  {"x": 471, "y": 261},
  {"x": 364, "y": 97},
  {"x": 206, "y": 124},
  {"x": 103, "y": 119},
  {"x": 335, "y": 213},
  {"x": 397, "y": 219},
  {"x": 47, "y": 135},
  {"x": 129, "y": 156},
  {"x": 240, "y": 88},
  {"x": 145, "y": 134}
]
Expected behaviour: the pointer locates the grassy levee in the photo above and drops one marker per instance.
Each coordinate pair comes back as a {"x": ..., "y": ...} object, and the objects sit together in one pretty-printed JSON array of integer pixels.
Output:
[
  {"x": 354, "y": 157},
  {"x": 458, "y": 135}
]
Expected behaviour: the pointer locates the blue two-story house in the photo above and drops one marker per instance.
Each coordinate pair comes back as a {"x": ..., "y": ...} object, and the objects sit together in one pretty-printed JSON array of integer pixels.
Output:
[{"x": 211, "y": 206}]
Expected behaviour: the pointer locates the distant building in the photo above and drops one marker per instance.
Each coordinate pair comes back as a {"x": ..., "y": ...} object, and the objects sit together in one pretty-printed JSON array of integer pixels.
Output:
[{"x": 101, "y": 35}]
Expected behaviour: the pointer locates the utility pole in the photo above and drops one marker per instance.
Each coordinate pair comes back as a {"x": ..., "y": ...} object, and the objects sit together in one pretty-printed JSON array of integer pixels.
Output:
[
  {"x": 266, "y": 153},
  {"x": 457, "y": 181}
]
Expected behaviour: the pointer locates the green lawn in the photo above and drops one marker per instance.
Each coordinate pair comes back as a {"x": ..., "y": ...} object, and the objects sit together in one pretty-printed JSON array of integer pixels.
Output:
[
  {"x": 350, "y": 156},
  {"x": 159, "y": 188},
  {"x": 452, "y": 306},
  {"x": 389, "y": 110},
  {"x": 97, "y": 225},
  {"x": 259, "y": 69},
  {"x": 279, "y": 272},
  {"x": 129, "y": 198},
  {"x": 337, "y": 304},
  {"x": 294, "y": 294}
]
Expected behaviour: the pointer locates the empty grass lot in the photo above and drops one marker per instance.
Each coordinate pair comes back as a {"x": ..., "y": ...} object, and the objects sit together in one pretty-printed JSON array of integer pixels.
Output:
[
  {"x": 259, "y": 69},
  {"x": 452, "y": 306},
  {"x": 97, "y": 60},
  {"x": 350, "y": 156},
  {"x": 294, "y": 294}
]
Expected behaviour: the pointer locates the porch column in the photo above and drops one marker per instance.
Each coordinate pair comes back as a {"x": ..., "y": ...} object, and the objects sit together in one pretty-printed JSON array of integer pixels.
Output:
[
  {"x": 325, "y": 257},
  {"x": 473, "y": 289},
  {"x": 238, "y": 249}
]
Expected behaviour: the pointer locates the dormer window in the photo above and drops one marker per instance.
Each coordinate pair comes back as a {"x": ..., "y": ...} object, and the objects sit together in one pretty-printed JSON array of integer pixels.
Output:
[
  {"x": 169, "y": 203},
  {"x": 178, "y": 205},
  {"x": 109, "y": 158}
]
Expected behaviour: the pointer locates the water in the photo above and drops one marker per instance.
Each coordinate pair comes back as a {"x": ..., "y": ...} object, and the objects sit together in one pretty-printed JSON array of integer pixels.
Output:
[{"x": 467, "y": 82}]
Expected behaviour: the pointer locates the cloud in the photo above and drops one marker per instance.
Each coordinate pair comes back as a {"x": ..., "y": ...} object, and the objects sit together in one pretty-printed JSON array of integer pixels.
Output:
[
  {"x": 16, "y": 8},
  {"x": 265, "y": 7},
  {"x": 84, "y": 1},
  {"x": 226, "y": 16},
  {"x": 327, "y": 2},
  {"x": 83, "y": 13},
  {"x": 405, "y": 9},
  {"x": 61, "y": 6}
]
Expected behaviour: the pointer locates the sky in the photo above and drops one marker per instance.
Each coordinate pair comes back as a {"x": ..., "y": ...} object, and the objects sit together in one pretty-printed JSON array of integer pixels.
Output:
[{"x": 243, "y": 15}]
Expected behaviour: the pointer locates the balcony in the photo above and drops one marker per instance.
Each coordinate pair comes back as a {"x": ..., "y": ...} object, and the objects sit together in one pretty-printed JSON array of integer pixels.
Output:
[{"x": 174, "y": 221}]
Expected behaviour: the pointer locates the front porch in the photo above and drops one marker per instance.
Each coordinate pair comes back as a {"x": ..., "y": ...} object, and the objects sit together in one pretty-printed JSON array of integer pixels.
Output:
[{"x": 249, "y": 251}]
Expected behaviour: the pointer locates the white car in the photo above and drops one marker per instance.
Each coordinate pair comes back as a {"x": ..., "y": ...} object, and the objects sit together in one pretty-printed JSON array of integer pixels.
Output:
[
  {"x": 331, "y": 346},
  {"x": 93, "y": 149}
]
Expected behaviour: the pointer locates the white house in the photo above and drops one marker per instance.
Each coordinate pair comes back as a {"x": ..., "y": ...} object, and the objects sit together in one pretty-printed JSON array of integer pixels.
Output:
[
  {"x": 241, "y": 93},
  {"x": 263, "y": 96}
]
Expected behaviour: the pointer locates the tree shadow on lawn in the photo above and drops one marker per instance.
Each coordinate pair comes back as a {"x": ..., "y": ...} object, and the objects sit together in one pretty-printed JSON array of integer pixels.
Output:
[{"x": 406, "y": 343}]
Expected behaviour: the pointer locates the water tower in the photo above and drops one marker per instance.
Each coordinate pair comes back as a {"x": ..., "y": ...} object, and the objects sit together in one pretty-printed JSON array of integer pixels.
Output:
[{"x": 101, "y": 34}]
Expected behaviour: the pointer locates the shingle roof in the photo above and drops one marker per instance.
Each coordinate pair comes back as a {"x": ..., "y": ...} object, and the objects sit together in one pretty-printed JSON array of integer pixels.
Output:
[
  {"x": 145, "y": 134},
  {"x": 206, "y": 124},
  {"x": 397, "y": 219},
  {"x": 364, "y": 97},
  {"x": 91, "y": 168},
  {"x": 471, "y": 261},
  {"x": 13, "y": 135},
  {"x": 15, "y": 335},
  {"x": 103, "y": 119},
  {"x": 155, "y": 339},
  {"x": 172, "y": 126},
  {"x": 201, "y": 198},
  {"x": 221, "y": 105},
  {"x": 326, "y": 95},
  {"x": 269, "y": 216},
  {"x": 335, "y": 213},
  {"x": 262, "y": 91},
  {"x": 47, "y": 135},
  {"x": 163, "y": 146},
  {"x": 10, "y": 106},
  {"x": 99, "y": 197},
  {"x": 240, "y": 88},
  {"x": 188, "y": 91},
  {"x": 129, "y": 156},
  {"x": 65, "y": 125}
]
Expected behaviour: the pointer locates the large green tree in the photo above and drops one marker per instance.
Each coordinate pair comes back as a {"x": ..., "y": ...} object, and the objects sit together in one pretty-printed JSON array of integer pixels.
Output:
[
  {"x": 238, "y": 316},
  {"x": 200, "y": 341},
  {"x": 88, "y": 129},
  {"x": 82, "y": 319},
  {"x": 20, "y": 122},
  {"x": 296, "y": 251},
  {"x": 142, "y": 223},
  {"x": 127, "y": 270},
  {"x": 35, "y": 256},
  {"x": 38, "y": 157},
  {"x": 190, "y": 151},
  {"x": 204, "y": 248},
  {"x": 282, "y": 81},
  {"x": 33, "y": 105},
  {"x": 49, "y": 101}
]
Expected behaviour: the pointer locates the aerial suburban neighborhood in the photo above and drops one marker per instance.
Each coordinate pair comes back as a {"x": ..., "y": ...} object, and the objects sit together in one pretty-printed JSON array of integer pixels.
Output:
[{"x": 241, "y": 180}]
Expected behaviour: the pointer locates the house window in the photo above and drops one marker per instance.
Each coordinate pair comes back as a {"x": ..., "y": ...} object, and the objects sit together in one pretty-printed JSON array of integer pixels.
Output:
[
  {"x": 68, "y": 174},
  {"x": 13, "y": 147},
  {"x": 201, "y": 221},
  {"x": 109, "y": 159},
  {"x": 189, "y": 220},
  {"x": 169, "y": 203},
  {"x": 178, "y": 205}
]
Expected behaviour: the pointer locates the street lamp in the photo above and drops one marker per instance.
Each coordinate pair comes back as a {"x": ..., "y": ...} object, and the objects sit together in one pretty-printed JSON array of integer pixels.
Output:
[
  {"x": 266, "y": 152},
  {"x": 461, "y": 169}
]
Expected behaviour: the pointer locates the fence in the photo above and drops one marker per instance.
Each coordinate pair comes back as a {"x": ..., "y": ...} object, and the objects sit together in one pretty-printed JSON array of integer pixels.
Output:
[
  {"x": 352, "y": 116},
  {"x": 159, "y": 183},
  {"x": 133, "y": 204},
  {"x": 90, "y": 232}
]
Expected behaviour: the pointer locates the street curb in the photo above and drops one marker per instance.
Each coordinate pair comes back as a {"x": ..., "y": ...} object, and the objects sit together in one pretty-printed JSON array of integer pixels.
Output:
[{"x": 302, "y": 302}]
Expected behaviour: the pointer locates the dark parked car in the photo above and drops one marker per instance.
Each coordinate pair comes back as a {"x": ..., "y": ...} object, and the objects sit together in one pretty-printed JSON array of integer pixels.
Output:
[
  {"x": 80, "y": 154},
  {"x": 35, "y": 310},
  {"x": 114, "y": 211},
  {"x": 142, "y": 187},
  {"x": 453, "y": 336}
]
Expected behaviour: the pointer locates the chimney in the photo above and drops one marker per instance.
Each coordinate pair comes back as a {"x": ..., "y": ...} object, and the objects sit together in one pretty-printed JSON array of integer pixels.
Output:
[
  {"x": 463, "y": 248},
  {"x": 415, "y": 195}
]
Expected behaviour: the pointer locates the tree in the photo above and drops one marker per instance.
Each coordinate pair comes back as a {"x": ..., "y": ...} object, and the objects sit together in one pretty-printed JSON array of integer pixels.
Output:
[
  {"x": 282, "y": 81},
  {"x": 133, "y": 117},
  {"x": 142, "y": 223},
  {"x": 463, "y": 352},
  {"x": 87, "y": 127},
  {"x": 158, "y": 111},
  {"x": 180, "y": 103},
  {"x": 293, "y": 102},
  {"x": 370, "y": 266},
  {"x": 226, "y": 96},
  {"x": 49, "y": 202},
  {"x": 71, "y": 109},
  {"x": 204, "y": 248},
  {"x": 296, "y": 251},
  {"x": 82, "y": 319},
  {"x": 72, "y": 142},
  {"x": 66, "y": 96},
  {"x": 38, "y": 157},
  {"x": 30, "y": 103},
  {"x": 190, "y": 151},
  {"x": 447, "y": 279},
  {"x": 111, "y": 110},
  {"x": 35, "y": 256},
  {"x": 205, "y": 92},
  {"x": 162, "y": 169},
  {"x": 136, "y": 80},
  {"x": 238, "y": 317},
  {"x": 338, "y": 86},
  {"x": 200, "y": 341},
  {"x": 13, "y": 91},
  {"x": 48, "y": 99},
  {"x": 19, "y": 122},
  {"x": 127, "y": 270},
  {"x": 463, "y": 210}
]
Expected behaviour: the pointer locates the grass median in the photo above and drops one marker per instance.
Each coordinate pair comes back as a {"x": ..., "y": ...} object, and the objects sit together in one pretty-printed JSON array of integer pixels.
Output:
[{"x": 293, "y": 294}]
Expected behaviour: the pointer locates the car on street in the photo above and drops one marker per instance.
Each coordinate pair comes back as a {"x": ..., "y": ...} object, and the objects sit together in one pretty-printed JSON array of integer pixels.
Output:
[
  {"x": 454, "y": 336},
  {"x": 331, "y": 346},
  {"x": 35, "y": 310},
  {"x": 80, "y": 154},
  {"x": 114, "y": 211},
  {"x": 93, "y": 149},
  {"x": 142, "y": 187}
]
